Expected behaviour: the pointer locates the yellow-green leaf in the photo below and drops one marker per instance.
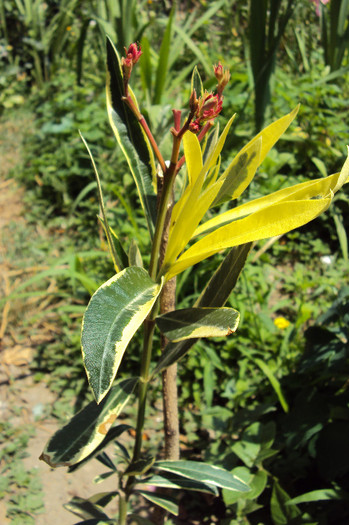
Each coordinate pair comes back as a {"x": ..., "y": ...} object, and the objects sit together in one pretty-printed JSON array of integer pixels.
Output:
[
  {"x": 191, "y": 207},
  {"x": 305, "y": 190},
  {"x": 271, "y": 134},
  {"x": 193, "y": 157},
  {"x": 274, "y": 220},
  {"x": 240, "y": 173},
  {"x": 114, "y": 314}
]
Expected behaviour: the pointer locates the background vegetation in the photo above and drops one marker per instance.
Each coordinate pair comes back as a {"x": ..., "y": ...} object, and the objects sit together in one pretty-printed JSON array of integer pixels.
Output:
[{"x": 276, "y": 393}]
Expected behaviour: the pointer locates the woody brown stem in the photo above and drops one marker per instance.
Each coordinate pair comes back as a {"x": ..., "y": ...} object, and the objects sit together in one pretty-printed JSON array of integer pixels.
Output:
[{"x": 169, "y": 375}]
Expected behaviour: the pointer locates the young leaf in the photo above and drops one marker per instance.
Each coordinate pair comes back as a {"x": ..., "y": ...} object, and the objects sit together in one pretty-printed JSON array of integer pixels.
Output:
[
  {"x": 203, "y": 472},
  {"x": 192, "y": 206},
  {"x": 196, "y": 83},
  {"x": 88, "y": 428},
  {"x": 165, "y": 502},
  {"x": 130, "y": 136},
  {"x": 139, "y": 467},
  {"x": 122, "y": 256},
  {"x": 113, "y": 252},
  {"x": 198, "y": 322},
  {"x": 134, "y": 255},
  {"x": 113, "y": 315},
  {"x": 173, "y": 481}
]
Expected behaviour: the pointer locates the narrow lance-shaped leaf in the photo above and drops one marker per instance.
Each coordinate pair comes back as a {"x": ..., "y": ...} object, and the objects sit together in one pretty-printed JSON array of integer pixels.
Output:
[
  {"x": 115, "y": 312},
  {"x": 165, "y": 502},
  {"x": 88, "y": 428},
  {"x": 85, "y": 509},
  {"x": 304, "y": 190},
  {"x": 131, "y": 137},
  {"x": 113, "y": 252},
  {"x": 173, "y": 481},
  {"x": 162, "y": 69},
  {"x": 198, "y": 471},
  {"x": 191, "y": 323},
  {"x": 275, "y": 220}
]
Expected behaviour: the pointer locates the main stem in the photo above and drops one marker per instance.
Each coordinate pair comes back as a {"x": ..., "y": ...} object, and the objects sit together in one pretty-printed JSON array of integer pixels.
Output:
[{"x": 159, "y": 243}]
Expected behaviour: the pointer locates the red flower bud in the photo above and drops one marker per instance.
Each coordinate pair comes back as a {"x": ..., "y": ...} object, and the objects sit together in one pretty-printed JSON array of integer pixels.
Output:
[{"x": 133, "y": 54}]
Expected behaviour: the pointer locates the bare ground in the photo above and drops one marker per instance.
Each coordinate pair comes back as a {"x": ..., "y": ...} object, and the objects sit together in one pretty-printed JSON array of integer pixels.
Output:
[{"x": 22, "y": 400}]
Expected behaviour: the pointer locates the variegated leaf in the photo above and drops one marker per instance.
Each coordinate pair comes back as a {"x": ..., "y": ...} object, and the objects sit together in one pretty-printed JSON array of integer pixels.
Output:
[
  {"x": 115, "y": 312},
  {"x": 192, "y": 323},
  {"x": 88, "y": 428}
]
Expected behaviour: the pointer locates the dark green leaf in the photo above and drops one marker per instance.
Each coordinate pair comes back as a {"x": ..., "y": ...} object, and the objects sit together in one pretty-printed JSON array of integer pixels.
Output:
[
  {"x": 282, "y": 514},
  {"x": 85, "y": 509},
  {"x": 319, "y": 495},
  {"x": 139, "y": 467},
  {"x": 97, "y": 522},
  {"x": 165, "y": 502},
  {"x": 131, "y": 138},
  {"x": 162, "y": 69},
  {"x": 139, "y": 520},
  {"x": 103, "y": 498},
  {"x": 173, "y": 481},
  {"x": 88, "y": 428},
  {"x": 115, "y": 312},
  {"x": 257, "y": 483}
]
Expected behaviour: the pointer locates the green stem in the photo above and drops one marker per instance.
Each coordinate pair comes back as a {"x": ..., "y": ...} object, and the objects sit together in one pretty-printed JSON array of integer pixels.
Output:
[{"x": 122, "y": 510}]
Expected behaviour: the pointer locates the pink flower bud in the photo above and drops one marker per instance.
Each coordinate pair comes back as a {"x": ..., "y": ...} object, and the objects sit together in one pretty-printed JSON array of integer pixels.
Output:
[
  {"x": 218, "y": 71},
  {"x": 223, "y": 76},
  {"x": 133, "y": 52},
  {"x": 208, "y": 108}
]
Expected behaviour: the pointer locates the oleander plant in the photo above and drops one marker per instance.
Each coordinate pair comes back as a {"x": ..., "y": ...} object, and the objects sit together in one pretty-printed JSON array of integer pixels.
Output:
[{"x": 191, "y": 210}]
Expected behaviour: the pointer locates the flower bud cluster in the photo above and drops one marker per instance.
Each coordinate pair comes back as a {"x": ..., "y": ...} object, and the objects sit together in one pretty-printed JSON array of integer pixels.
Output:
[
  {"x": 207, "y": 107},
  {"x": 133, "y": 54}
]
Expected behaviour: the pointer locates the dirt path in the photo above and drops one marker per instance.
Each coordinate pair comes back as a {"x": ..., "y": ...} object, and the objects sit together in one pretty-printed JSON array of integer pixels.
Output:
[{"x": 24, "y": 402}]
